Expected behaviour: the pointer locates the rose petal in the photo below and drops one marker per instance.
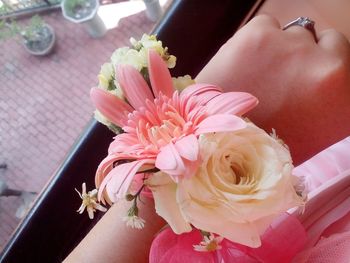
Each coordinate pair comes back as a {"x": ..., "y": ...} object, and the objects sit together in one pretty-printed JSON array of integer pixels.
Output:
[
  {"x": 164, "y": 193},
  {"x": 205, "y": 214}
]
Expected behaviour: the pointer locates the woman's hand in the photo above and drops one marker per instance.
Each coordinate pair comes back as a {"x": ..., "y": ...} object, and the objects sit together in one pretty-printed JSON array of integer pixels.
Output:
[{"x": 303, "y": 86}]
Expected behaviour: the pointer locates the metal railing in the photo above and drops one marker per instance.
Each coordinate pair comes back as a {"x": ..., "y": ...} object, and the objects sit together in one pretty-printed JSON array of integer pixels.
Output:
[{"x": 15, "y": 8}]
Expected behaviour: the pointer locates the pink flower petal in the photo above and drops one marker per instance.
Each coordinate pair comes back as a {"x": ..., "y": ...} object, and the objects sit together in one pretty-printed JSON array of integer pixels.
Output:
[
  {"x": 113, "y": 108},
  {"x": 188, "y": 147},
  {"x": 107, "y": 165},
  {"x": 159, "y": 75},
  {"x": 207, "y": 96},
  {"x": 236, "y": 103},
  {"x": 104, "y": 168},
  {"x": 102, "y": 185},
  {"x": 200, "y": 89},
  {"x": 220, "y": 123},
  {"x": 169, "y": 160},
  {"x": 134, "y": 86},
  {"x": 121, "y": 142},
  {"x": 117, "y": 182}
]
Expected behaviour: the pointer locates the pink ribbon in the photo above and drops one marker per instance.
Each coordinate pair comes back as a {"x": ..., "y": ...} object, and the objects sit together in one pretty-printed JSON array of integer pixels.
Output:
[{"x": 280, "y": 243}]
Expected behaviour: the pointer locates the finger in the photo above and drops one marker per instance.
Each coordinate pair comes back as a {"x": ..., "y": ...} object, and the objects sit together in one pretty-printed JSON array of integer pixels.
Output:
[
  {"x": 303, "y": 31},
  {"x": 334, "y": 42}
]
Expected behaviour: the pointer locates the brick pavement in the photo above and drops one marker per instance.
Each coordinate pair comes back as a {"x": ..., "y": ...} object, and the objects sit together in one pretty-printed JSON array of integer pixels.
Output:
[{"x": 44, "y": 103}]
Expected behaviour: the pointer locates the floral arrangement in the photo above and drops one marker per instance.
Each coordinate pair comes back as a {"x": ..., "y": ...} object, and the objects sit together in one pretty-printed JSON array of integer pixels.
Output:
[{"x": 187, "y": 144}]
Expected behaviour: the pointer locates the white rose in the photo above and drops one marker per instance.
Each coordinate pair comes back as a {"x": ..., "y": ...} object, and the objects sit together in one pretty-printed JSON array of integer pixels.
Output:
[{"x": 243, "y": 183}]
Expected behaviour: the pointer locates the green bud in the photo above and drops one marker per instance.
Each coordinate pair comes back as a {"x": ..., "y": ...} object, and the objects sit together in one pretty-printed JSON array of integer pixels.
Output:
[{"x": 129, "y": 197}]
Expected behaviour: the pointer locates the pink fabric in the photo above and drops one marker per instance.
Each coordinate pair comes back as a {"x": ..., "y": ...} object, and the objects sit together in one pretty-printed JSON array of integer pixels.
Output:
[
  {"x": 327, "y": 219},
  {"x": 284, "y": 238},
  {"x": 328, "y": 225},
  {"x": 335, "y": 248},
  {"x": 325, "y": 165},
  {"x": 168, "y": 247}
]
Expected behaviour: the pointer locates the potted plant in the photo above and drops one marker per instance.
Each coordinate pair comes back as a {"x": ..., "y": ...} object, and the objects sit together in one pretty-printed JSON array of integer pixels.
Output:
[
  {"x": 153, "y": 9},
  {"x": 84, "y": 12},
  {"x": 38, "y": 38}
]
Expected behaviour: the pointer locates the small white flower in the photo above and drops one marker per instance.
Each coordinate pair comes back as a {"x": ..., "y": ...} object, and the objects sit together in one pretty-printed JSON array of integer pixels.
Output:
[
  {"x": 128, "y": 56},
  {"x": 147, "y": 41},
  {"x": 106, "y": 75},
  {"x": 101, "y": 118},
  {"x": 170, "y": 61},
  {"x": 89, "y": 202},
  {"x": 182, "y": 82},
  {"x": 209, "y": 243},
  {"x": 136, "y": 44},
  {"x": 150, "y": 42},
  {"x": 134, "y": 221}
]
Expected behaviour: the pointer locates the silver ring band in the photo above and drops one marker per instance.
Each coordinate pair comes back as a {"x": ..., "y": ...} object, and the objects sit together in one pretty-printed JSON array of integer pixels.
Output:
[{"x": 304, "y": 22}]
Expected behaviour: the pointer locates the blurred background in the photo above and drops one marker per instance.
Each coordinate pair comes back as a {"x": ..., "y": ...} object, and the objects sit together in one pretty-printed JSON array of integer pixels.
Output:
[{"x": 44, "y": 88}]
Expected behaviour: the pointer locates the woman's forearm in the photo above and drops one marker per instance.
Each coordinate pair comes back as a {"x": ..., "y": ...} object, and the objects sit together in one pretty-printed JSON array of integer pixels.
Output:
[{"x": 112, "y": 241}]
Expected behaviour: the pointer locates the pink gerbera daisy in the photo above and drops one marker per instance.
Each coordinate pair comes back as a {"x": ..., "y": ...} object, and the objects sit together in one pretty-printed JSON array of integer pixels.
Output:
[{"x": 161, "y": 126}]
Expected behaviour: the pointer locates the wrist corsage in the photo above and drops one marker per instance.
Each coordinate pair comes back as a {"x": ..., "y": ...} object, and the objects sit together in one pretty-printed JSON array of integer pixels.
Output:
[{"x": 212, "y": 173}]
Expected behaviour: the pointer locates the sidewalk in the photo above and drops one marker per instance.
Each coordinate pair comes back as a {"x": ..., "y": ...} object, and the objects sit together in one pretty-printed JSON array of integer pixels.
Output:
[{"x": 44, "y": 103}]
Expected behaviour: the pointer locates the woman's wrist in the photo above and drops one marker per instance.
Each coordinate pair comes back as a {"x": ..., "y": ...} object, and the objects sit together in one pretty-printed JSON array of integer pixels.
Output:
[{"x": 111, "y": 241}]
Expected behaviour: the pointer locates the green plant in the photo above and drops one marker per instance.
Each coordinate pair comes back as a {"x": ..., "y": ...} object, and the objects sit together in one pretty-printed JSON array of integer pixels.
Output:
[
  {"x": 72, "y": 5},
  {"x": 30, "y": 32},
  {"x": 4, "y": 8},
  {"x": 8, "y": 29}
]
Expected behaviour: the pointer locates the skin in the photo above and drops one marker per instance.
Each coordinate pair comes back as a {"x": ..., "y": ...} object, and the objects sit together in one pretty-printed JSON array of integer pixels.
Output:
[
  {"x": 303, "y": 86},
  {"x": 304, "y": 93},
  {"x": 112, "y": 241}
]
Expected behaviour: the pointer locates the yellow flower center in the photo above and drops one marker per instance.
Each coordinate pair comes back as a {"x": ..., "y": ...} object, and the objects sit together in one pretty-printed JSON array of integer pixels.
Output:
[
  {"x": 87, "y": 200},
  {"x": 212, "y": 246}
]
